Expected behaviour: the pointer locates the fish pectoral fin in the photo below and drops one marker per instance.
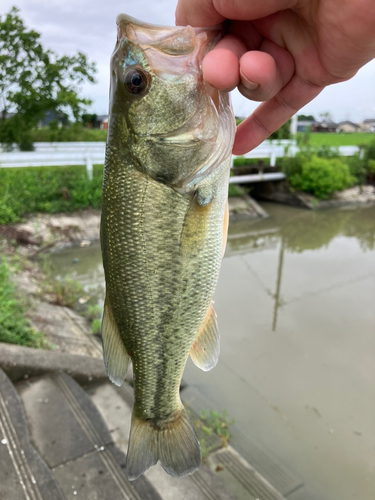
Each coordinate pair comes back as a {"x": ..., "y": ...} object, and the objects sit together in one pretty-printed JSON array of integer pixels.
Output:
[
  {"x": 194, "y": 230},
  {"x": 116, "y": 359},
  {"x": 173, "y": 442},
  {"x": 206, "y": 348}
]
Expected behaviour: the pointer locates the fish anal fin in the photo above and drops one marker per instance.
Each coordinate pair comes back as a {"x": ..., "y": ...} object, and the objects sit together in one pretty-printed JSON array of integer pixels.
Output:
[
  {"x": 206, "y": 348},
  {"x": 174, "y": 443},
  {"x": 116, "y": 359}
]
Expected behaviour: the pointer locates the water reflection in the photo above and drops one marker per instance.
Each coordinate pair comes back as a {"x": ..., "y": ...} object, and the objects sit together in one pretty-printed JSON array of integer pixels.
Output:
[
  {"x": 295, "y": 231},
  {"x": 303, "y": 230}
]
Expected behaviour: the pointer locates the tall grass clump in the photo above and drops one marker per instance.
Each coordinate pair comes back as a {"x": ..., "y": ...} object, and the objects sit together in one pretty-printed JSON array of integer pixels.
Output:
[{"x": 14, "y": 327}]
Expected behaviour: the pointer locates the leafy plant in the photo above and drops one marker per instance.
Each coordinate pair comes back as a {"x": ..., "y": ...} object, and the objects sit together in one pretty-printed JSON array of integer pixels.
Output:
[
  {"x": 218, "y": 422},
  {"x": 322, "y": 176}
]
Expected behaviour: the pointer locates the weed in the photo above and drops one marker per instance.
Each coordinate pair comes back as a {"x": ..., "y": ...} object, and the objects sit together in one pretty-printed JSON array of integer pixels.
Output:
[
  {"x": 217, "y": 422},
  {"x": 14, "y": 327}
]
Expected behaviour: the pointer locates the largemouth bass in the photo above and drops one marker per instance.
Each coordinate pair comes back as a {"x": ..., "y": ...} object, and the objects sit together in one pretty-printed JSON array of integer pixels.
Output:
[{"x": 163, "y": 230}]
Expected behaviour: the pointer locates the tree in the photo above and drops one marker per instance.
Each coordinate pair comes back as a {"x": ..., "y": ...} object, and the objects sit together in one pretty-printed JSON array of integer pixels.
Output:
[
  {"x": 34, "y": 80},
  {"x": 307, "y": 118},
  {"x": 326, "y": 116}
]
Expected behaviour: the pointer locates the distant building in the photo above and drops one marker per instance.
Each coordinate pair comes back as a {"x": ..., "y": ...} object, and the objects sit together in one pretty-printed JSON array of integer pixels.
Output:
[
  {"x": 52, "y": 116},
  {"x": 101, "y": 122},
  {"x": 368, "y": 125},
  {"x": 324, "y": 126},
  {"x": 304, "y": 125},
  {"x": 348, "y": 127}
]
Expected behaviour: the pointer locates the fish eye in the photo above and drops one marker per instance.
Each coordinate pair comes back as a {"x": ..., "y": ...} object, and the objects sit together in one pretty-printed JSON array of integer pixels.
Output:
[{"x": 136, "y": 80}]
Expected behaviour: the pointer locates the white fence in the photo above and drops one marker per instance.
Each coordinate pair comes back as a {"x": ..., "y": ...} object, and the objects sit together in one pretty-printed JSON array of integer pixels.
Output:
[
  {"x": 92, "y": 153},
  {"x": 52, "y": 154}
]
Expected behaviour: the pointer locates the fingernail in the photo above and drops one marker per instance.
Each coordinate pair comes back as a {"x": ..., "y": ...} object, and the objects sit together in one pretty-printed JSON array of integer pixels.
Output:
[{"x": 247, "y": 83}]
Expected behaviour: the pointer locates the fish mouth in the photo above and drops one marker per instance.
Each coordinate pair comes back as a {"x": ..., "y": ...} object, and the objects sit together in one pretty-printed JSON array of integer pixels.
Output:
[
  {"x": 196, "y": 130},
  {"x": 183, "y": 139}
]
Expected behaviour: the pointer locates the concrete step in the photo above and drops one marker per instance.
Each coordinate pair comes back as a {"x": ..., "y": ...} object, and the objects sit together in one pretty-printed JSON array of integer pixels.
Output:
[
  {"x": 23, "y": 474},
  {"x": 115, "y": 405},
  {"x": 240, "y": 478},
  {"x": 261, "y": 473},
  {"x": 225, "y": 474},
  {"x": 69, "y": 433}
]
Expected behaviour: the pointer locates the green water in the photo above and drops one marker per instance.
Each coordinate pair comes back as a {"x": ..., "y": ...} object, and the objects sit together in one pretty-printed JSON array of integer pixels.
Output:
[{"x": 296, "y": 311}]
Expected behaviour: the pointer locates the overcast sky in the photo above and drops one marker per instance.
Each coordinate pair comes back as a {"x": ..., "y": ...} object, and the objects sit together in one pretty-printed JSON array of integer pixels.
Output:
[{"x": 90, "y": 26}]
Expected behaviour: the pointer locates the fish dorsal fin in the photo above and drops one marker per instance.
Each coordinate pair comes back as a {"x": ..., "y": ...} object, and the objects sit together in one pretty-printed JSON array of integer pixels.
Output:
[
  {"x": 206, "y": 348},
  {"x": 116, "y": 359}
]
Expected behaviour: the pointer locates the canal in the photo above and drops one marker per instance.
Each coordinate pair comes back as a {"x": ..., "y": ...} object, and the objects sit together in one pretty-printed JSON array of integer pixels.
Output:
[{"x": 296, "y": 311}]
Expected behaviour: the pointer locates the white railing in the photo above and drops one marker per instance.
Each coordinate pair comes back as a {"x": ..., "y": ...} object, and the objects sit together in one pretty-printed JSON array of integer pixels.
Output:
[{"x": 93, "y": 153}]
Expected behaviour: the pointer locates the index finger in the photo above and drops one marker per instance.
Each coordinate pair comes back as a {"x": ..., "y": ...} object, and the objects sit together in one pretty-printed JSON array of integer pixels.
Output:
[{"x": 272, "y": 114}]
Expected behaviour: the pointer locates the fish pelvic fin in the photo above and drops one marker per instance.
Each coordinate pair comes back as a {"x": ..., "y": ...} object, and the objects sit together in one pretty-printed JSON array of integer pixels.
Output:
[
  {"x": 206, "y": 347},
  {"x": 116, "y": 359},
  {"x": 174, "y": 443}
]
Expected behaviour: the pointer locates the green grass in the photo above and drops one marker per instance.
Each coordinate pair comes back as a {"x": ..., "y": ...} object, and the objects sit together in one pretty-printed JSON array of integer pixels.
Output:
[
  {"x": 73, "y": 133},
  {"x": 14, "y": 326},
  {"x": 47, "y": 189},
  {"x": 333, "y": 139}
]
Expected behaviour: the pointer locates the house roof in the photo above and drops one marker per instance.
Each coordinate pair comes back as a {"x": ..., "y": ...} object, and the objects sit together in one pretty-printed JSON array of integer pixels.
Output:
[{"x": 347, "y": 122}]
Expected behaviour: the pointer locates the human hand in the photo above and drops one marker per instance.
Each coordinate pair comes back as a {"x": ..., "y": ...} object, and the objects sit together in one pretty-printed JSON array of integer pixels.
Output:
[{"x": 282, "y": 52}]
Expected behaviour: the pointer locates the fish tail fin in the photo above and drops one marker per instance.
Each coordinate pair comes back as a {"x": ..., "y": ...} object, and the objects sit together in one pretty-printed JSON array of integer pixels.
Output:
[{"x": 174, "y": 443}]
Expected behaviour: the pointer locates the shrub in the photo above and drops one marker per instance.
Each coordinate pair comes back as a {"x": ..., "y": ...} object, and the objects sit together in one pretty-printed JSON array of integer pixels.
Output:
[
  {"x": 47, "y": 189},
  {"x": 357, "y": 168},
  {"x": 322, "y": 176},
  {"x": 291, "y": 166}
]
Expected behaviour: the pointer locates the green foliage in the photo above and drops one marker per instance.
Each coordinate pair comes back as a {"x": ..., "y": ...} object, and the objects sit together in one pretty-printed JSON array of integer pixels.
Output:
[
  {"x": 239, "y": 161},
  {"x": 357, "y": 168},
  {"x": 47, "y": 189},
  {"x": 322, "y": 176},
  {"x": 67, "y": 291},
  {"x": 14, "y": 327},
  {"x": 369, "y": 150},
  {"x": 234, "y": 190},
  {"x": 371, "y": 166},
  {"x": 74, "y": 132},
  {"x": 292, "y": 166},
  {"x": 34, "y": 80},
  {"x": 218, "y": 422},
  {"x": 308, "y": 118},
  {"x": 96, "y": 326}
]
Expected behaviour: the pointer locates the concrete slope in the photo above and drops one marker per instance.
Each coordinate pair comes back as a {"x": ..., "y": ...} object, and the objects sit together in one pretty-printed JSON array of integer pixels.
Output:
[{"x": 23, "y": 474}]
